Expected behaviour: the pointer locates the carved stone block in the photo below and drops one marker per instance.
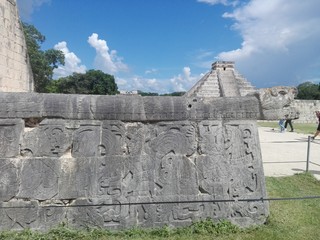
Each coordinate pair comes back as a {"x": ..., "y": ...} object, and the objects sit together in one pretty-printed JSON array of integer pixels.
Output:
[
  {"x": 51, "y": 214},
  {"x": 100, "y": 213},
  {"x": 9, "y": 179},
  {"x": 86, "y": 141},
  {"x": 39, "y": 178},
  {"x": 119, "y": 174},
  {"x": 19, "y": 215},
  {"x": 50, "y": 139},
  {"x": 10, "y": 134},
  {"x": 113, "y": 138},
  {"x": 78, "y": 178}
]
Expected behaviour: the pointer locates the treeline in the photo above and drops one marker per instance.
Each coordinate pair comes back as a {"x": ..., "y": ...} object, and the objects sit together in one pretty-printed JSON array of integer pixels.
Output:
[
  {"x": 309, "y": 91},
  {"x": 157, "y": 94}
]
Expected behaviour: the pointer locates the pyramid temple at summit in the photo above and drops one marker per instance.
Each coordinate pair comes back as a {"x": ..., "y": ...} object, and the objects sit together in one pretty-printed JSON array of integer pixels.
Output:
[{"x": 222, "y": 81}]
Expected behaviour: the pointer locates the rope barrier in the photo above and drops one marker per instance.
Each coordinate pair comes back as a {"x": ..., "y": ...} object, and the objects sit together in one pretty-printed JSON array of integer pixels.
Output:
[{"x": 167, "y": 202}]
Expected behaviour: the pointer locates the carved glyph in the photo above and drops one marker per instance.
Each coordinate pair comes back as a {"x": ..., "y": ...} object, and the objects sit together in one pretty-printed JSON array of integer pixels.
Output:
[{"x": 114, "y": 163}]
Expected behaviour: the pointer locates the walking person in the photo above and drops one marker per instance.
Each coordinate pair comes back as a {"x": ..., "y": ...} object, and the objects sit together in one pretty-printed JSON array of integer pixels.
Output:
[
  {"x": 288, "y": 122},
  {"x": 281, "y": 124},
  {"x": 318, "y": 128}
]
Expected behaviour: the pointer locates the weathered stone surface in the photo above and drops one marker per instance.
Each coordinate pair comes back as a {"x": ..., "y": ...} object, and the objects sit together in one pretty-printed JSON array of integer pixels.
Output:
[
  {"x": 137, "y": 163},
  {"x": 78, "y": 178},
  {"x": 50, "y": 139},
  {"x": 39, "y": 178},
  {"x": 222, "y": 81},
  {"x": 117, "y": 173},
  {"x": 15, "y": 70},
  {"x": 126, "y": 108},
  {"x": 9, "y": 179},
  {"x": 51, "y": 214},
  {"x": 19, "y": 215},
  {"x": 86, "y": 140},
  {"x": 307, "y": 109},
  {"x": 275, "y": 103},
  {"x": 10, "y": 134}
]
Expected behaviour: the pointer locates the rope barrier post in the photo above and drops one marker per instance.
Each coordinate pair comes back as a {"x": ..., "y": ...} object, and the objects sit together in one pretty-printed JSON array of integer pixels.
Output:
[{"x": 308, "y": 153}]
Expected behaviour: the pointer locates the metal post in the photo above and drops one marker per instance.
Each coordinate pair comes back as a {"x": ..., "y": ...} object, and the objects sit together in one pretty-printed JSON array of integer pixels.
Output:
[{"x": 308, "y": 153}]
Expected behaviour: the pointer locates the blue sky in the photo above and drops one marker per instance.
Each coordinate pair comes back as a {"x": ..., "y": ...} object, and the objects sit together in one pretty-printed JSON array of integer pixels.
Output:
[{"x": 167, "y": 45}]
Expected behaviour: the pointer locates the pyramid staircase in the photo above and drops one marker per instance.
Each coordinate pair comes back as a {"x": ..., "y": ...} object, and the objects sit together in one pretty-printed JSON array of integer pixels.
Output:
[{"x": 222, "y": 81}]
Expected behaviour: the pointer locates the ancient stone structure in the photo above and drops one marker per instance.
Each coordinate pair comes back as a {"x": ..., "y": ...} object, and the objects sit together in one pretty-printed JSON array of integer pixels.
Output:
[
  {"x": 123, "y": 161},
  {"x": 15, "y": 72},
  {"x": 222, "y": 81},
  {"x": 225, "y": 81},
  {"x": 276, "y": 102},
  {"x": 307, "y": 109}
]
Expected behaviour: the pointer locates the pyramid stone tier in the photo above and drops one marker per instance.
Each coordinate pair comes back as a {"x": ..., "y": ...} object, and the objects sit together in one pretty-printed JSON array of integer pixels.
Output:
[{"x": 222, "y": 81}]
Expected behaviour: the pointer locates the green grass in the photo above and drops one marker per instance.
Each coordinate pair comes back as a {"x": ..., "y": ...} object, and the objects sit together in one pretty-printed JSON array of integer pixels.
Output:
[
  {"x": 288, "y": 220},
  {"x": 306, "y": 128}
]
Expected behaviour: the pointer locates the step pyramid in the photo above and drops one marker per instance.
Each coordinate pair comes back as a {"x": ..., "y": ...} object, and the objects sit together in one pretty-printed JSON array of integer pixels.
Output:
[{"x": 222, "y": 81}]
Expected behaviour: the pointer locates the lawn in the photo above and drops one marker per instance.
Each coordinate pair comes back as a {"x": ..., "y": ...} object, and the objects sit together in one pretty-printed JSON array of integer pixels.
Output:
[
  {"x": 306, "y": 128},
  {"x": 299, "y": 219}
]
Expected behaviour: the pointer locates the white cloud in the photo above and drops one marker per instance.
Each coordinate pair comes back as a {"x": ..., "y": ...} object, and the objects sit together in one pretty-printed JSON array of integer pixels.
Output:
[
  {"x": 183, "y": 82},
  {"x": 224, "y": 2},
  {"x": 280, "y": 40},
  {"x": 72, "y": 62},
  {"x": 151, "y": 71},
  {"x": 121, "y": 82},
  {"x": 106, "y": 60},
  {"x": 139, "y": 83},
  {"x": 27, "y": 7}
]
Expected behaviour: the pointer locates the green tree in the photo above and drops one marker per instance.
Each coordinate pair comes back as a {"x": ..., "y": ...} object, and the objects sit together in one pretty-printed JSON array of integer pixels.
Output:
[
  {"x": 147, "y": 93},
  {"x": 308, "y": 90},
  {"x": 42, "y": 62},
  {"x": 91, "y": 82},
  {"x": 157, "y": 94},
  {"x": 175, "y": 94}
]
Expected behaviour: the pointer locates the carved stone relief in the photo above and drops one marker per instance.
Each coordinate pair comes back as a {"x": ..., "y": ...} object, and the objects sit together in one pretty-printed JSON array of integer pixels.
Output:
[
  {"x": 10, "y": 133},
  {"x": 113, "y": 138},
  {"x": 48, "y": 140},
  {"x": 9, "y": 181},
  {"x": 86, "y": 141},
  {"x": 114, "y": 163},
  {"x": 39, "y": 178},
  {"x": 19, "y": 215}
]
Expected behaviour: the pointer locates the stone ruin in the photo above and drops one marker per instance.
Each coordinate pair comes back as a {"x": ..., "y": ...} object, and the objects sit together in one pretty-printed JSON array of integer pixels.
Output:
[
  {"x": 68, "y": 158},
  {"x": 225, "y": 81},
  {"x": 123, "y": 161},
  {"x": 15, "y": 71}
]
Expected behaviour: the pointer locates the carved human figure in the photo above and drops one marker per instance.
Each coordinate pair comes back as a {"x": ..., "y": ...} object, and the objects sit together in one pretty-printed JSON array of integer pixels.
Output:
[
  {"x": 86, "y": 141},
  {"x": 234, "y": 145},
  {"x": 113, "y": 138}
]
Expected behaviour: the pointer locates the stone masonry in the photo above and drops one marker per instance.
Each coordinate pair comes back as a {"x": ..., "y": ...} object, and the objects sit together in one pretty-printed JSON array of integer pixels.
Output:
[
  {"x": 222, "y": 81},
  {"x": 15, "y": 71},
  {"x": 123, "y": 161}
]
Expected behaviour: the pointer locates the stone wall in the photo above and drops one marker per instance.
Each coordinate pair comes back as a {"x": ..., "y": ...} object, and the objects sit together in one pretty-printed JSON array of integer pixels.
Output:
[
  {"x": 307, "y": 110},
  {"x": 15, "y": 72},
  {"x": 118, "y": 162}
]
